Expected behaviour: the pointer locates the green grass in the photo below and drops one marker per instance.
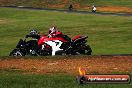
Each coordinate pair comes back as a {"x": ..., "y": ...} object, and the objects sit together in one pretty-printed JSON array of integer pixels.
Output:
[
  {"x": 14, "y": 80},
  {"x": 107, "y": 34}
]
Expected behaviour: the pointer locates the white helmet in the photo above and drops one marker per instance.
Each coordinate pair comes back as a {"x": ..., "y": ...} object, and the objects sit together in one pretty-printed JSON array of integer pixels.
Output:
[{"x": 52, "y": 30}]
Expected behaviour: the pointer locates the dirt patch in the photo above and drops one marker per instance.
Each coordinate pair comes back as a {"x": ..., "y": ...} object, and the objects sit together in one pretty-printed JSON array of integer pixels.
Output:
[
  {"x": 61, "y": 4},
  {"x": 76, "y": 6},
  {"x": 106, "y": 8},
  {"x": 56, "y": 6},
  {"x": 5, "y": 21},
  {"x": 115, "y": 9},
  {"x": 70, "y": 66},
  {"x": 66, "y": 1}
]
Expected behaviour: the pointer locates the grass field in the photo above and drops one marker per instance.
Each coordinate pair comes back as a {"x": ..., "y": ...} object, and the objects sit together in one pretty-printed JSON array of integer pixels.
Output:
[
  {"x": 107, "y": 34},
  {"x": 11, "y": 78},
  {"x": 49, "y": 81}
]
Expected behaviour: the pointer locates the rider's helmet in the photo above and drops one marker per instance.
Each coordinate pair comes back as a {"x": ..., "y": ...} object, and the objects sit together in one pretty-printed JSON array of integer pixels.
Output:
[
  {"x": 53, "y": 30},
  {"x": 33, "y": 32}
]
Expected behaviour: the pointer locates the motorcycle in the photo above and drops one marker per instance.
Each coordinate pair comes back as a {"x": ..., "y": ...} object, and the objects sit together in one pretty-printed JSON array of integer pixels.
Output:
[
  {"x": 44, "y": 46},
  {"x": 25, "y": 47},
  {"x": 61, "y": 46}
]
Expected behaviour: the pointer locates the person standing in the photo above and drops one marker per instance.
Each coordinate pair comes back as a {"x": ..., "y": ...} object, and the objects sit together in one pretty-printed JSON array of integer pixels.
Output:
[
  {"x": 70, "y": 7},
  {"x": 93, "y": 9}
]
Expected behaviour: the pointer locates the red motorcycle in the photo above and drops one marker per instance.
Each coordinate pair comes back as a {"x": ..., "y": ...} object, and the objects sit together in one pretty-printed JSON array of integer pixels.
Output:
[{"x": 60, "y": 45}]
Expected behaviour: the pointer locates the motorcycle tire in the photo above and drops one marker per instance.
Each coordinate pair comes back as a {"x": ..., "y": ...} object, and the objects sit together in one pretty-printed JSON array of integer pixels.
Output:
[
  {"x": 88, "y": 50},
  {"x": 16, "y": 52}
]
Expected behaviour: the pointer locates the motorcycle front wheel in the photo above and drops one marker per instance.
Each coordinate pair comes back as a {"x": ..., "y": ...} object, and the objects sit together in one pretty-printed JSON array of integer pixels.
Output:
[{"x": 16, "y": 52}]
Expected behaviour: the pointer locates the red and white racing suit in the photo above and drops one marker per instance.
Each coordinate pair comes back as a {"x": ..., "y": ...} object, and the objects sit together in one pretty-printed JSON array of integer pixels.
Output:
[
  {"x": 59, "y": 34},
  {"x": 55, "y": 34}
]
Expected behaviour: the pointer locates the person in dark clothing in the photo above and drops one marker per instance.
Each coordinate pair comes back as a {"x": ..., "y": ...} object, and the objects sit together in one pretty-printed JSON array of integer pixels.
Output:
[
  {"x": 33, "y": 34},
  {"x": 70, "y": 7}
]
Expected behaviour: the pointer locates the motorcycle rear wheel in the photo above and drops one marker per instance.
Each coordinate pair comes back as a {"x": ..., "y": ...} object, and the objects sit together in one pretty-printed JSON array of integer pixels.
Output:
[{"x": 88, "y": 50}]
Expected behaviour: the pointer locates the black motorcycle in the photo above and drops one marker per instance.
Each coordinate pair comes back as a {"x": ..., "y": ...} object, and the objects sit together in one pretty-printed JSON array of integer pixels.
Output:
[
  {"x": 25, "y": 47},
  {"x": 78, "y": 45}
]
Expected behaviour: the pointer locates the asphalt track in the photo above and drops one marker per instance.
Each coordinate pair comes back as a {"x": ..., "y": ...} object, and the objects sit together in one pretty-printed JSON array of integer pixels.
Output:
[
  {"x": 74, "y": 11},
  {"x": 79, "y": 12}
]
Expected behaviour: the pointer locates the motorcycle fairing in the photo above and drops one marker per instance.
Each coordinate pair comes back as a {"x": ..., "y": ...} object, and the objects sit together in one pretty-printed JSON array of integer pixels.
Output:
[
  {"x": 45, "y": 38},
  {"x": 55, "y": 45}
]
